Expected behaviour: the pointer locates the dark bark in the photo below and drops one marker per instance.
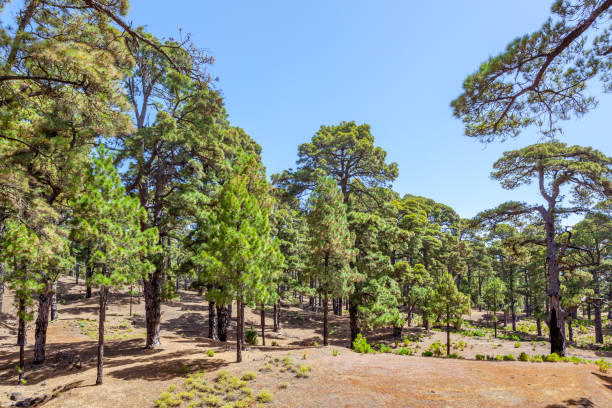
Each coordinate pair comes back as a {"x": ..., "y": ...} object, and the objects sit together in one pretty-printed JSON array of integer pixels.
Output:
[
  {"x": 339, "y": 306},
  {"x": 513, "y": 312},
  {"x": 21, "y": 339},
  {"x": 238, "y": 331},
  {"x": 557, "y": 327},
  {"x": 213, "y": 322},
  {"x": 54, "y": 314},
  {"x": 101, "y": 321},
  {"x": 262, "y": 316},
  {"x": 539, "y": 326},
  {"x": 277, "y": 324},
  {"x": 152, "y": 294},
  {"x": 1, "y": 285},
  {"x": 325, "y": 320},
  {"x": 598, "y": 327},
  {"x": 570, "y": 330},
  {"x": 42, "y": 322},
  {"x": 77, "y": 268},
  {"x": 397, "y": 332},
  {"x": 88, "y": 274},
  {"x": 228, "y": 321},
  {"x": 222, "y": 325},
  {"x": 354, "y": 321},
  {"x": 240, "y": 310},
  {"x": 448, "y": 342},
  {"x": 589, "y": 311}
]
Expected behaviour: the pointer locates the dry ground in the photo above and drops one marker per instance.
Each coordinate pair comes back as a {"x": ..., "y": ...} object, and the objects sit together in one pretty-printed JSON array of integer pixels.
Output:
[{"x": 135, "y": 377}]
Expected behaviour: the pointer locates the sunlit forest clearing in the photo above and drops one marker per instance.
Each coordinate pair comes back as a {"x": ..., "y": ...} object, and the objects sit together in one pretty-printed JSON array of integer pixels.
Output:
[{"x": 148, "y": 259}]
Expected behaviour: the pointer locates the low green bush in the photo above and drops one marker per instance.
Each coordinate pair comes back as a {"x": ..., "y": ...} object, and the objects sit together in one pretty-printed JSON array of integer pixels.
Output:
[{"x": 360, "y": 345}]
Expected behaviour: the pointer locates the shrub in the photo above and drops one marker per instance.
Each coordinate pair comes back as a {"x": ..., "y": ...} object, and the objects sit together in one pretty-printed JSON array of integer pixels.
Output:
[
  {"x": 315, "y": 343},
  {"x": 222, "y": 375},
  {"x": 453, "y": 355},
  {"x": 517, "y": 344},
  {"x": 184, "y": 369},
  {"x": 509, "y": 357},
  {"x": 275, "y": 343},
  {"x": 360, "y": 345},
  {"x": 248, "y": 376},
  {"x": 303, "y": 371},
  {"x": 480, "y": 357},
  {"x": 523, "y": 356},
  {"x": 266, "y": 368},
  {"x": 385, "y": 349},
  {"x": 210, "y": 353},
  {"x": 553, "y": 358},
  {"x": 283, "y": 385},
  {"x": 436, "y": 348},
  {"x": 335, "y": 353},
  {"x": 404, "y": 351},
  {"x": 264, "y": 396},
  {"x": 604, "y": 366},
  {"x": 251, "y": 337},
  {"x": 536, "y": 359},
  {"x": 427, "y": 353}
]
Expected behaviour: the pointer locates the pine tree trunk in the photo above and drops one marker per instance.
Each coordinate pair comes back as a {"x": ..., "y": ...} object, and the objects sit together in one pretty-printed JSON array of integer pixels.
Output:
[
  {"x": 557, "y": 326},
  {"x": 539, "y": 327},
  {"x": 42, "y": 322},
  {"x": 101, "y": 321},
  {"x": 1, "y": 285},
  {"x": 340, "y": 306},
  {"x": 21, "y": 339},
  {"x": 88, "y": 274},
  {"x": 223, "y": 318},
  {"x": 354, "y": 322},
  {"x": 425, "y": 323},
  {"x": 262, "y": 316},
  {"x": 228, "y": 321},
  {"x": 77, "y": 268},
  {"x": 277, "y": 325},
  {"x": 495, "y": 326},
  {"x": 213, "y": 323},
  {"x": 397, "y": 332},
  {"x": 513, "y": 311},
  {"x": 54, "y": 314},
  {"x": 325, "y": 320},
  {"x": 152, "y": 294},
  {"x": 240, "y": 310},
  {"x": 238, "y": 331},
  {"x": 589, "y": 311},
  {"x": 598, "y": 329},
  {"x": 570, "y": 330},
  {"x": 448, "y": 342}
]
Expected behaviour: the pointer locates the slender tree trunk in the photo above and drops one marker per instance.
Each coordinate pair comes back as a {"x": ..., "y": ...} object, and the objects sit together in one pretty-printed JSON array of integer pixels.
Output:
[
  {"x": 1, "y": 285},
  {"x": 54, "y": 314},
  {"x": 222, "y": 315},
  {"x": 21, "y": 339},
  {"x": 88, "y": 274},
  {"x": 262, "y": 316},
  {"x": 325, "y": 319},
  {"x": 152, "y": 294},
  {"x": 240, "y": 310},
  {"x": 213, "y": 322},
  {"x": 42, "y": 322},
  {"x": 589, "y": 311},
  {"x": 354, "y": 321},
  {"x": 228, "y": 321},
  {"x": 448, "y": 342},
  {"x": 598, "y": 328},
  {"x": 539, "y": 327},
  {"x": 101, "y": 321},
  {"x": 238, "y": 331},
  {"x": 277, "y": 325},
  {"x": 77, "y": 271},
  {"x": 340, "y": 306},
  {"x": 495, "y": 325},
  {"x": 513, "y": 311}
]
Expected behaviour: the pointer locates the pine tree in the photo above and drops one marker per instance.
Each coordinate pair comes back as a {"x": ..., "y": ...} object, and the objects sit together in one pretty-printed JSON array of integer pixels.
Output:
[
  {"x": 110, "y": 222},
  {"x": 331, "y": 244},
  {"x": 494, "y": 293},
  {"x": 450, "y": 304},
  {"x": 240, "y": 253}
]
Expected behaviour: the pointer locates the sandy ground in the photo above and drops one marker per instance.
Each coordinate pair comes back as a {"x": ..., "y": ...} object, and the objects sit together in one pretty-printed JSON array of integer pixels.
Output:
[{"x": 135, "y": 377}]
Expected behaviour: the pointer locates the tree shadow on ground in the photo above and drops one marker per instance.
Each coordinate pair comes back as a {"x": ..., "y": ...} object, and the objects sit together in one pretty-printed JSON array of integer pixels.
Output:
[
  {"x": 581, "y": 402},
  {"x": 605, "y": 378}
]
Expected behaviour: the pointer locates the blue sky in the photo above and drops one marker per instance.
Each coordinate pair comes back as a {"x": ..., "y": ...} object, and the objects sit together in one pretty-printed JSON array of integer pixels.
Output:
[{"x": 286, "y": 67}]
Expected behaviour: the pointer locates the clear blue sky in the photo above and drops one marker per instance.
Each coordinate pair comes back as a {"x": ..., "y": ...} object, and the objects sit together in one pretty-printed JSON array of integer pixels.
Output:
[{"x": 286, "y": 67}]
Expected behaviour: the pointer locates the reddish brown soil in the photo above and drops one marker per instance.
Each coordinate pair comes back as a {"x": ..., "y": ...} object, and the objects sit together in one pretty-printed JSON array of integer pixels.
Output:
[{"x": 134, "y": 377}]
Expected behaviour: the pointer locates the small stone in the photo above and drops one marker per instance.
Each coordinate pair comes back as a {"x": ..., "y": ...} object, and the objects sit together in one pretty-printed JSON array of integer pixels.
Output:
[
  {"x": 44, "y": 383},
  {"x": 15, "y": 396}
]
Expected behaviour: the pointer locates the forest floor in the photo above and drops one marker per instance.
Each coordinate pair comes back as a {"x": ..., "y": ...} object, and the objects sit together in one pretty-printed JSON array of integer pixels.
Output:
[{"x": 334, "y": 375}]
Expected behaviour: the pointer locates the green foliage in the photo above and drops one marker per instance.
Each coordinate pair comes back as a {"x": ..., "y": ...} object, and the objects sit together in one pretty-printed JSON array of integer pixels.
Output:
[
  {"x": 210, "y": 353},
  {"x": 303, "y": 371},
  {"x": 523, "y": 356},
  {"x": 250, "y": 336},
  {"x": 360, "y": 345},
  {"x": 509, "y": 357},
  {"x": 248, "y": 376},
  {"x": 480, "y": 357},
  {"x": 264, "y": 396}
]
